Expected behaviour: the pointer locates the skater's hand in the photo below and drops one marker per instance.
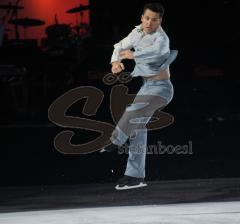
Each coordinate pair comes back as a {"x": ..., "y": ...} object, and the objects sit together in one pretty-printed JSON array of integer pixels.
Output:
[
  {"x": 117, "y": 67},
  {"x": 127, "y": 54}
]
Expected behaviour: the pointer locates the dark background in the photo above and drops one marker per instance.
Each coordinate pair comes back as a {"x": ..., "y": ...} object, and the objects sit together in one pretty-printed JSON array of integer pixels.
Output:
[{"x": 205, "y": 106}]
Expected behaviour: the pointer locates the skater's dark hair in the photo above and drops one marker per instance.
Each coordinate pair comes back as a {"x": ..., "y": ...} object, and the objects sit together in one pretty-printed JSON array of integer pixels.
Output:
[{"x": 155, "y": 7}]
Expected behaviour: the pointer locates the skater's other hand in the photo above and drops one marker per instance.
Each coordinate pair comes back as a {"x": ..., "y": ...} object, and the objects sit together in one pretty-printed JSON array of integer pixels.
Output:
[{"x": 117, "y": 67}]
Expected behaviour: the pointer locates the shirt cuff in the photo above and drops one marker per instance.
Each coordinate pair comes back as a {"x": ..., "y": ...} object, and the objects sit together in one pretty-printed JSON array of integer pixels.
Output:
[{"x": 137, "y": 52}]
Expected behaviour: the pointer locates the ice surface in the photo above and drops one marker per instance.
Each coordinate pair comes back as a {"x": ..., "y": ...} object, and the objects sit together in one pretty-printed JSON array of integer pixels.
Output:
[{"x": 187, "y": 213}]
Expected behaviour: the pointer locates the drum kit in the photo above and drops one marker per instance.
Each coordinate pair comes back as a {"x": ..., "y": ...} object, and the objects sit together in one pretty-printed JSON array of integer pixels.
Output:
[
  {"x": 12, "y": 12},
  {"x": 54, "y": 32}
]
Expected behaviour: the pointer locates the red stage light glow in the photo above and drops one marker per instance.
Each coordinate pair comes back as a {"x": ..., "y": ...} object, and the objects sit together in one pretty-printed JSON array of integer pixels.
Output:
[{"x": 46, "y": 10}]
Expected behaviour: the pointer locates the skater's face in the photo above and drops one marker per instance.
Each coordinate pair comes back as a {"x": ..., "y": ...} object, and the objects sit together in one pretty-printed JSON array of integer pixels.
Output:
[{"x": 150, "y": 21}]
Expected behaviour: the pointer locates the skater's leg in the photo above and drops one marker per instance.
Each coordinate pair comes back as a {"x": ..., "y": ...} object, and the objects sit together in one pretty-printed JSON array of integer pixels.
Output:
[{"x": 137, "y": 153}]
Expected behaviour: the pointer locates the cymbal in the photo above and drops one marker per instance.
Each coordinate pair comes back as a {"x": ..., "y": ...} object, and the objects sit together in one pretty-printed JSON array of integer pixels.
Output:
[
  {"x": 12, "y": 7},
  {"x": 79, "y": 9},
  {"x": 25, "y": 22}
]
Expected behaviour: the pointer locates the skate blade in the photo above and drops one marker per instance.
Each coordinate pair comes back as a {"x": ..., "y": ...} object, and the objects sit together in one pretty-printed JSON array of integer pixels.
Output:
[
  {"x": 102, "y": 150},
  {"x": 126, "y": 187}
]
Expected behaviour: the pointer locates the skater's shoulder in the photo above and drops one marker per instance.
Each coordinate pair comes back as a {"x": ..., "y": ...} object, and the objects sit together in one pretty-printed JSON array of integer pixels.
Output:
[{"x": 138, "y": 29}]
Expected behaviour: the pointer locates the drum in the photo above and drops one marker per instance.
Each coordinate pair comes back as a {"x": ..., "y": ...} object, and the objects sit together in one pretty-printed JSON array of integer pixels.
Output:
[
  {"x": 58, "y": 36},
  {"x": 58, "y": 31}
]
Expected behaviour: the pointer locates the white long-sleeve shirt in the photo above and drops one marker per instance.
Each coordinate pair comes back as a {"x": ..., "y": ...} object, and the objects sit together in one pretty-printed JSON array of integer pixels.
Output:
[{"x": 152, "y": 52}]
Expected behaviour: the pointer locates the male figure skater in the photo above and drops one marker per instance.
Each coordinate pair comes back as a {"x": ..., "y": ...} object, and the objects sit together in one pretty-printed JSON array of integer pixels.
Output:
[{"x": 152, "y": 56}]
